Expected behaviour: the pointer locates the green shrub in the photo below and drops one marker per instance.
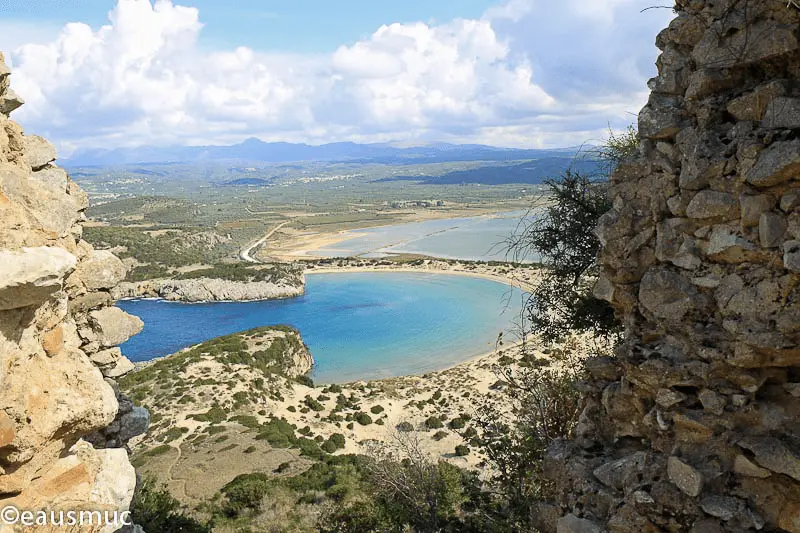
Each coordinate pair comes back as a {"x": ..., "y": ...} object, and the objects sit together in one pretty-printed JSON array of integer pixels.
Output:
[
  {"x": 457, "y": 423},
  {"x": 434, "y": 422},
  {"x": 155, "y": 509},
  {"x": 462, "y": 450},
  {"x": 245, "y": 492},
  {"x": 363, "y": 418},
  {"x": 376, "y": 409},
  {"x": 313, "y": 404}
]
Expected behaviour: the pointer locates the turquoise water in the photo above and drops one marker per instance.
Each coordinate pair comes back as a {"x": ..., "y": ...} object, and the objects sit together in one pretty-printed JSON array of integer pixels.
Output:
[
  {"x": 480, "y": 238},
  {"x": 357, "y": 325}
]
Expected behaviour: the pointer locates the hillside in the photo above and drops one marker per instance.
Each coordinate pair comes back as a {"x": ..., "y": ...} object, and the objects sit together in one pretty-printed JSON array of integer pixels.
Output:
[{"x": 279, "y": 152}]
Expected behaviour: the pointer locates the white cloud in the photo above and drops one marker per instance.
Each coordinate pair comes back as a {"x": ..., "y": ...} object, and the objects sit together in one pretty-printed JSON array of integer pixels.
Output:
[{"x": 528, "y": 73}]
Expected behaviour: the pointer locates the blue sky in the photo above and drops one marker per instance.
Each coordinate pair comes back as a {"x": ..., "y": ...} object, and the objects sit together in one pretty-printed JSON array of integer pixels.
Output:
[
  {"x": 308, "y": 26},
  {"x": 527, "y": 73}
]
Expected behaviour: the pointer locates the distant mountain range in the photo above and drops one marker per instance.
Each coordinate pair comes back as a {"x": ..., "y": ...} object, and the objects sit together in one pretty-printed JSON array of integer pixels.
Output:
[
  {"x": 529, "y": 172},
  {"x": 255, "y": 150}
]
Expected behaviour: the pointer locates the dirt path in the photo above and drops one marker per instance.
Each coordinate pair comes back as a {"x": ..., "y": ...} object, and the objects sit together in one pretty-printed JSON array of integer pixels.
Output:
[{"x": 245, "y": 254}]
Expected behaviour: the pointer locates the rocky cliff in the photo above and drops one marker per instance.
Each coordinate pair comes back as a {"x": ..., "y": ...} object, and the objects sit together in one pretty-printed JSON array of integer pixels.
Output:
[
  {"x": 208, "y": 290},
  {"x": 58, "y": 332},
  {"x": 695, "y": 425}
]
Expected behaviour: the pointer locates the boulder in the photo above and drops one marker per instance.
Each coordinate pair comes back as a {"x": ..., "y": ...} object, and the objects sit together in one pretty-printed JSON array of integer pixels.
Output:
[
  {"x": 39, "y": 152},
  {"x": 101, "y": 270},
  {"x": 113, "y": 326},
  {"x": 9, "y": 101},
  {"x": 121, "y": 367},
  {"x": 52, "y": 176},
  {"x": 32, "y": 275},
  {"x": 133, "y": 423}
]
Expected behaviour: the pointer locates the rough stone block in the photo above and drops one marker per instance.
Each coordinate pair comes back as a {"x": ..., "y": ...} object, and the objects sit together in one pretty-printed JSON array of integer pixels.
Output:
[{"x": 772, "y": 229}]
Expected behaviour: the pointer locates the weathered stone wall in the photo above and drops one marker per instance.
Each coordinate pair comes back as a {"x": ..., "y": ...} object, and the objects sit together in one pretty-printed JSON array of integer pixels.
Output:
[
  {"x": 695, "y": 425},
  {"x": 58, "y": 333}
]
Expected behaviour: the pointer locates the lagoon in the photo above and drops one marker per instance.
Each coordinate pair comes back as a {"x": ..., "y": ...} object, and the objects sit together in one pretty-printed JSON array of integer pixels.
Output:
[
  {"x": 479, "y": 238},
  {"x": 365, "y": 325}
]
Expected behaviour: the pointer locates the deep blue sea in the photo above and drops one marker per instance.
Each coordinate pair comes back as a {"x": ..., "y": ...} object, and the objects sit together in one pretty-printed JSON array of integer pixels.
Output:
[{"x": 357, "y": 325}]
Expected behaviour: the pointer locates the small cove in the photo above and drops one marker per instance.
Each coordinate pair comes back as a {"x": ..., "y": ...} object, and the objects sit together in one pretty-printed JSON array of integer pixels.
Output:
[{"x": 364, "y": 325}]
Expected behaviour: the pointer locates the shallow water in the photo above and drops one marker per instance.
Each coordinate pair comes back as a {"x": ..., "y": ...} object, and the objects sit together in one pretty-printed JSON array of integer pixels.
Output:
[
  {"x": 357, "y": 325},
  {"x": 481, "y": 238}
]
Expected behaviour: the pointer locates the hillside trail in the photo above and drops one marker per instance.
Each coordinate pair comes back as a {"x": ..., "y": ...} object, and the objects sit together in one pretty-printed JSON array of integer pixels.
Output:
[{"x": 245, "y": 254}]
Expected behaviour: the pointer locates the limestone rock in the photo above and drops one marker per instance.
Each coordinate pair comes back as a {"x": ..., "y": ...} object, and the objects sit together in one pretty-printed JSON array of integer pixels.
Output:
[
  {"x": 38, "y": 152},
  {"x": 722, "y": 507},
  {"x": 782, "y": 113},
  {"x": 743, "y": 466},
  {"x": 573, "y": 524},
  {"x": 101, "y": 270},
  {"x": 106, "y": 357},
  {"x": 52, "y": 176},
  {"x": 773, "y": 455},
  {"x": 777, "y": 164},
  {"x": 30, "y": 276},
  {"x": 771, "y": 229},
  {"x": 753, "y": 106},
  {"x": 120, "y": 367},
  {"x": 728, "y": 45},
  {"x": 790, "y": 201},
  {"x": 685, "y": 477},
  {"x": 207, "y": 290},
  {"x": 7, "y": 432},
  {"x": 9, "y": 101},
  {"x": 114, "y": 326},
  {"x": 666, "y": 294},
  {"x": 51, "y": 393},
  {"x": 791, "y": 255},
  {"x": 134, "y": 423},
  {"x": 661, "y": 118},
  {"x": 753, "y": 206},
  {"x": 713, "y": 204}
]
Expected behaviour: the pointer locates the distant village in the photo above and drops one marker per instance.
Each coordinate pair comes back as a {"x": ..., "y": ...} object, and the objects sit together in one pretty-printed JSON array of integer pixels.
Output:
[{"x": 402, "y": 204}]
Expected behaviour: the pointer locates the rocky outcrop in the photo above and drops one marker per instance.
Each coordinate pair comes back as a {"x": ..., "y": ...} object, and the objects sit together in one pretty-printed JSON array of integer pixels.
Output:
[
  {"x": 698, "y": 416},
  {"x": 57, "y": 330},
  {"x": 207, "y": 290}
]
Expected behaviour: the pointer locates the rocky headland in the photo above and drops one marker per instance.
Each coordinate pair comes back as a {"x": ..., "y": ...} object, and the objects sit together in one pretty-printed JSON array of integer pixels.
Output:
[
  {"x": 63, "y": 422},
  {"x": 207, "y": 290}
]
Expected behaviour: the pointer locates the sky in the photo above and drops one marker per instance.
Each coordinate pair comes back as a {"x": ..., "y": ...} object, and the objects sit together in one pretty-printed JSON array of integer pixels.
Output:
[{"x": 521, "y": 73}]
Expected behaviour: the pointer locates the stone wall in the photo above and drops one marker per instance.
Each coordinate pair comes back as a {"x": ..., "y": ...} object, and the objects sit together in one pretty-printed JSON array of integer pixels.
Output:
[
  {"x": 58, "y": 337},
  {"x": 695, "y": 424}
]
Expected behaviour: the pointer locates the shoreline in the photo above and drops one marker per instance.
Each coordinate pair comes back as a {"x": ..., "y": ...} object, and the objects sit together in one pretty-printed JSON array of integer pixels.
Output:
[{"x": 527, "y": 287}]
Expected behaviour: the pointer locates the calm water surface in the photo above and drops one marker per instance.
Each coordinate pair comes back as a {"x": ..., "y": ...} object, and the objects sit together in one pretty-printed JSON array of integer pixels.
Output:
[
  {"x": 479, "y": 238},
  {"x": 357, "y": 325}
]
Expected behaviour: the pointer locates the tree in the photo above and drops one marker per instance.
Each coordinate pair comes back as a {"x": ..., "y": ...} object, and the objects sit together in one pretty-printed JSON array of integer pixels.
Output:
[
  {"x": 561, "y": 233},
  {"x": 414, "y": 489},
  {"x": 544, "y": 406}
]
